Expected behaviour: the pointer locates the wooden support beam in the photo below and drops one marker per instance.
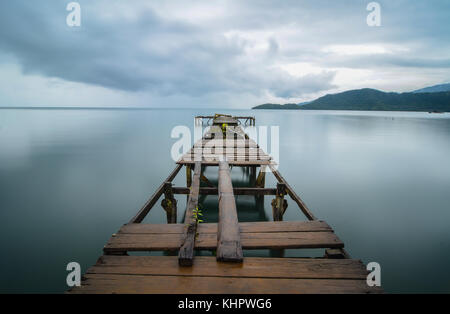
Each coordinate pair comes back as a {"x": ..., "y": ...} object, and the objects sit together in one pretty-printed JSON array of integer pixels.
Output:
[
  {"x": 205, "y": 179},
  {"x": 229, "y": 247},
  {"x": 169, "y": 203},
  {"x": 339, "y": 253},
  {"x": 188, "y": 176},
  {"x": 155, "y": 197},
  {"x": 261, "y": 180},
  {"x": 334, "y": 254},
  {"x": 292, "y": 194},
  {"x": 236, "y": 191},
  {"x": 252, "y": 175},
  {"x": 279, "y": 204},
  {"x": 186, "y": 254}
]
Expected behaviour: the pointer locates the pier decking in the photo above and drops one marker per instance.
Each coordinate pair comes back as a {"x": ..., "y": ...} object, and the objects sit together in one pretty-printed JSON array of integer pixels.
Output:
[{"x": 227, "y": 270}]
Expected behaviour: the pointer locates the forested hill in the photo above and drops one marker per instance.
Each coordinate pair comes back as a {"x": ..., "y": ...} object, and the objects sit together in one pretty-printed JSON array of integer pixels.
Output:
[
  {"x": 371, "y": 99},
  {"x": 277, "y": 106}
]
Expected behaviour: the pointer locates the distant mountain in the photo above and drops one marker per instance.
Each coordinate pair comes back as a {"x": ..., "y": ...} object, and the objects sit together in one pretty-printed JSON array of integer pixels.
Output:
[
  {"x": 434, "y": 89},
  {"x": 285, "y": 106},
  {"x": 278, "y": 106},
  {"x": 372, "y": 99}
]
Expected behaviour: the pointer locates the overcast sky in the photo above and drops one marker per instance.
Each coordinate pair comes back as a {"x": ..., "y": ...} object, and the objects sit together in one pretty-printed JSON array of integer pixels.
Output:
[{"x": 219, "y": 54}]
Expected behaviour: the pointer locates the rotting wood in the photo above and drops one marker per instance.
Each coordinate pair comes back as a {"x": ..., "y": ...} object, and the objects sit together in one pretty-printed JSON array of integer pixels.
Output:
[
  {"x": 245, "y": 227},
  {"x": 188, "y": 176},
  {"x": 261, "y": 180},
  {"x": 169, "y": 203},
  {"x": 279, "y": 204},
  {"x": 229, "y": 247},
  {"x": 236, "y": 191},
  {"x": 254, "y": 267},
  {"x": 208, "y": 241},
  {"x": 186, "y": 254}
]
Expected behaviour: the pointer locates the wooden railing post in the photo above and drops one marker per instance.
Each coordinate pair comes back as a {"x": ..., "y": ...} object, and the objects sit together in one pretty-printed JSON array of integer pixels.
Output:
[
  {"x": 169, "y": 203},
  {"x": 279, "y": 204},
  {"x": 252, "y": 175},
  {"x": 188, "y": 176}
]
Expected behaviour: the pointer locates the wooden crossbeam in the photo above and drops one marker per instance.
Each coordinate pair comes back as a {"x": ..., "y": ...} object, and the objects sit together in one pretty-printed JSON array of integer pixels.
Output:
[
  {"x": 186, "y": 254},
  {"x": 237, "y": 163},
  {"x": 155, "y": 197},
  {"x": 229, "y": 247},
  {"x": 254, "y": 235},
  {"x": 236, "y": 191},
  {"x": 254, "y": 267}
]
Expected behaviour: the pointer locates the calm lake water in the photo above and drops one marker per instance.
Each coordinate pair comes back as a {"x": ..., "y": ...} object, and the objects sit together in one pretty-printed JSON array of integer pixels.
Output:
[{"x": 70, "y": 178}]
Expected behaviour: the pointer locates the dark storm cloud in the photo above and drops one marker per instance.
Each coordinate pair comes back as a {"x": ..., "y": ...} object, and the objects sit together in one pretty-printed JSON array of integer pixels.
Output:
[
  {"x": 146, "y": 52},
  {"x": 162, "y": 52}
]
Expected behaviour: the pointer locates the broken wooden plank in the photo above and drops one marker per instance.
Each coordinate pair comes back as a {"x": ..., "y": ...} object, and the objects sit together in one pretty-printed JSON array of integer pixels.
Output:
[
  {"x": 186, "y": 253},
  {"x": 254, "y": 267},
  {"x": 229, "y": 247},
  {"x": 245, "y": 227},
  {"x": 126, "y": 284},
  {"x": 208, "y": 241},
  {"x": 236, "y": 191},
  {"x": 230, "y": 162}
]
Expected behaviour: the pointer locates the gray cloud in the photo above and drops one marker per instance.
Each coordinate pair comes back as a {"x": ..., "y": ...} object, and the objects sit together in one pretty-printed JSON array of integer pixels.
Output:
[
  {"x": 152, "y": 49},
  {"x": 147, "y": 52}
]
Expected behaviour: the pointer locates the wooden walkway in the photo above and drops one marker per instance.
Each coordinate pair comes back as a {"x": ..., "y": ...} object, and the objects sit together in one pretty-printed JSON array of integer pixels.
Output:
[{"x": 229, "y": 271}]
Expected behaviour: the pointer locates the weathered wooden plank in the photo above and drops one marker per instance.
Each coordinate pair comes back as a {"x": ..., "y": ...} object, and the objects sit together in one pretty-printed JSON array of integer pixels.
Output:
[
  {"x": 229, "y": 247},
  {"x": 220, "y": 142},
  {"x": 155, "y": 197},
  {"x": 229, "y": 157},
  {"x": 290, "y": 240},
  {"x": 186, "y": 253},
  {"x": 111, "y": 283},
  {"x": 242, "y": 163},
  {"x": 206, "y": 154},
  {"x": 208, "y": 241},
  {"x": 245, "y": 227},
  {"x": 284, "y": 226},
  {"x": 254, "y": 267},
  {"x": 236, "y": 191},
  {"x": 229, "y": 150},
  {"x": 152, "y": 229}
]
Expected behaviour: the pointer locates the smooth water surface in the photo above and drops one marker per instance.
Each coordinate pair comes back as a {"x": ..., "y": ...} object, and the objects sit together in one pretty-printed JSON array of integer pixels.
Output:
[{"x": 70, "y": 178}]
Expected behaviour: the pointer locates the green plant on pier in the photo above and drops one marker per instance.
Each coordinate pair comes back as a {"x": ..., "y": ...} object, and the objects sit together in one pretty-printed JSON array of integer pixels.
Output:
[{"x": 197, "y": 214}]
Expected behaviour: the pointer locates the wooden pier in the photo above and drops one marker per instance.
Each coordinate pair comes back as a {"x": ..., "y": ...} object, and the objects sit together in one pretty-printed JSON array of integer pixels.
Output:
[{"x": 227, "y": 270}]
